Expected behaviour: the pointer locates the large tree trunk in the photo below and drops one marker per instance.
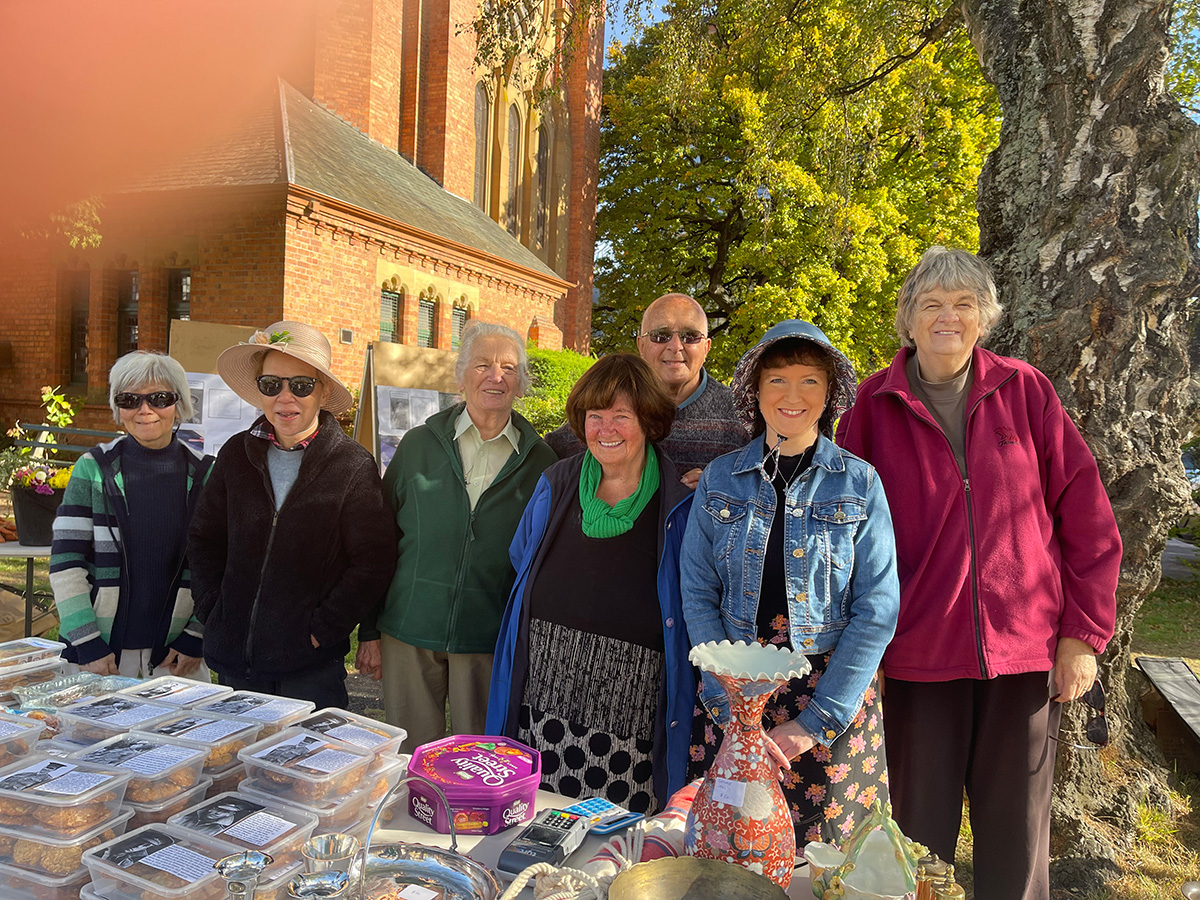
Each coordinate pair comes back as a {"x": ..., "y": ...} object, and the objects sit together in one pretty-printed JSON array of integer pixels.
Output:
[{"x": 1087, "y": 211}]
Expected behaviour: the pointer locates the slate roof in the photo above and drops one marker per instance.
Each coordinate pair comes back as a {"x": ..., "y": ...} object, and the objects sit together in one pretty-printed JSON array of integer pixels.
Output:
[{"x": 326, "y": 155}]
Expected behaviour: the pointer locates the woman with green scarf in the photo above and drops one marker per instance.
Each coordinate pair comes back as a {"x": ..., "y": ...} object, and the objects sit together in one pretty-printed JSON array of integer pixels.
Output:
[{"x": 591, "y": 664}]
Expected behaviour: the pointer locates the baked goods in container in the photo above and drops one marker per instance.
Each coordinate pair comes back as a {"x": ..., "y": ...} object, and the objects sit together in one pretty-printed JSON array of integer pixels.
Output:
[
  {"x": 161, "y": 768},
  {"x": 58, "y": 797},
  {"x": 222, "y": 736},
  {"x": 305, "y": 767}
]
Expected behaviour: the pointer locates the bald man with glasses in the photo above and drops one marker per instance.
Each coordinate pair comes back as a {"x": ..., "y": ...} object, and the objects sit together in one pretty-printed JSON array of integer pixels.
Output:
[{"x": 674, "y": 341}]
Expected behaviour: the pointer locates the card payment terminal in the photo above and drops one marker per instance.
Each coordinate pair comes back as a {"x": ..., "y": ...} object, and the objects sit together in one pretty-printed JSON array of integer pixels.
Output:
[{"x": 551, "y": 837}]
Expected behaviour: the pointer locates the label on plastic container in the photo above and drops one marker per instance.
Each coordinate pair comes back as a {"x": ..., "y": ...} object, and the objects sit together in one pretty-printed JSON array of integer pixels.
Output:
[
  {"x": 259, "y": 829},
  {"x": 178, "y": 691},
  {"x": 181, "y": 862},
  {"x": 53, "y": 776},
  {"x": 297, "y": 747},
  {"x": 7, "y": 729},
  {"x": 117, "y": 711},
  {"x": 197, "y": 728},
  {"x": 75, "y": 783},
  {"x": 152, "y": 762},
  {"x": 272, "y": 711},
  {"x": 357, "y": 735},
  {"x": 330, "y": 761}
]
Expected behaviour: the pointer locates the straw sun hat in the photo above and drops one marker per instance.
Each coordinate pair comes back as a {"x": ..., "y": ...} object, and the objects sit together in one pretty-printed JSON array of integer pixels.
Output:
[{"x": 239, "y": 365}]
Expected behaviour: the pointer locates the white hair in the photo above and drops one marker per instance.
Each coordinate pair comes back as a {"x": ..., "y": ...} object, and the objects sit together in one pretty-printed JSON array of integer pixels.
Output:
[
  {"x": 143, "y": 367},
  {"x": 477, "y": 330}
]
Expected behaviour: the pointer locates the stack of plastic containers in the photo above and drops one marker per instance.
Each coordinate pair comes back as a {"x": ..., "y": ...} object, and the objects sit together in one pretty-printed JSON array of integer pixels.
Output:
[
  {"x": 275, "y": 713},
  {"x": 51, "y": 811},
  {"x": 221, "y": 737},
  {"x": 379, "y": 738},
  {"x": 276, "y": 829},
  {"x": 175, "y": 691},
  {"x": 106, "y": 717},
  {"x": 165, "y": 775},
  {"x": 322, "y": 775},
  {"x": 26, "y": 662},
  {"x": 160, "y": 862}
]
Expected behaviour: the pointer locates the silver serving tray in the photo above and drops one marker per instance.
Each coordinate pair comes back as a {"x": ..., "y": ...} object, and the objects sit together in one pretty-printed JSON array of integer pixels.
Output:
[{"x": 392, "y": 867}]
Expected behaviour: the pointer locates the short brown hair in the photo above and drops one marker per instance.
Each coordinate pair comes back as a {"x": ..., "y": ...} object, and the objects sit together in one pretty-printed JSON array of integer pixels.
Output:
[
  {"x": 798, "y": 351},
  {"x": 616, "y": 374}
]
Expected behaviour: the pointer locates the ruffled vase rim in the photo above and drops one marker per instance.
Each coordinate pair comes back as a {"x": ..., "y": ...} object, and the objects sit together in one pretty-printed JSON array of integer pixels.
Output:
[{"x": 749, "y": 661}]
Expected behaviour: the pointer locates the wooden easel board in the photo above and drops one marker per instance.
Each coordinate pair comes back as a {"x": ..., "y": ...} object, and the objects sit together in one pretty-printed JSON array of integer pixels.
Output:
[{"x": 196, "y": 345}]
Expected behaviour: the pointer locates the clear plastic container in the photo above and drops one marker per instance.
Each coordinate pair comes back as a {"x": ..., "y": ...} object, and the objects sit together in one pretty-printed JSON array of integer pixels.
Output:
[
  {"x": 26, "y": 885},
  {"x": 222, "y": 736},
  {"x": 333, "y": 815},
  {"x": 160, "y": 767},
  {"x": 68, "y": 689},
  {"x": 27, "y": 652},
  {"x": 39, "y": 673},
  {"x": 43, "y": 795},
  {"x": 158, "y": 862},
  {"x": 18, "y": 736},
  {"x": 380, "y": 738},
  {"x": 227, "y": 780},
  {"x": 384, "y": 779},
  {"x": 58, "y": 857},
  {"x": 278, "y": 829},
  {"x": 275, "y": 713},
  {"x": 176, "y": 691},
  {"x": 155, "y": 813},
  {"x": 106, "y": 717},
  {"x": 304, "y": 767},
  {"x": 58, "y": 747}
]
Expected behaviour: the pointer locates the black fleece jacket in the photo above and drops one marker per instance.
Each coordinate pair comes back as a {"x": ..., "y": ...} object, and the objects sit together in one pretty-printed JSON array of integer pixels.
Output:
[{"x": 264, "y": 582}]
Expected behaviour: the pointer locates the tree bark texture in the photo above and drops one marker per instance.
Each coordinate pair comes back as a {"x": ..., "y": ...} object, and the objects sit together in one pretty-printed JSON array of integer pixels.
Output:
[{"x": 1087, "y": 211}]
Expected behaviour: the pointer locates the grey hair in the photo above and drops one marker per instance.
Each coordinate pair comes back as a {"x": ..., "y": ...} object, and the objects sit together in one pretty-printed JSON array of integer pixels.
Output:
[
  {"x": 476, "y": 330},
  {"x": 143, "y": 367},
  {"x": 950, "y": 270}
]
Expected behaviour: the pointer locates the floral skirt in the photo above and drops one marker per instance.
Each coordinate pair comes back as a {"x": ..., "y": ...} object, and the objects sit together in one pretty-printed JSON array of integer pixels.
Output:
[{"x": 830, "y": 788}]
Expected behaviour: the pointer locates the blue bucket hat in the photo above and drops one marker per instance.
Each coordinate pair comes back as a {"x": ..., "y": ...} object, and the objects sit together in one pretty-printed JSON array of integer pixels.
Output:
[{"x": 745, "y": 381}]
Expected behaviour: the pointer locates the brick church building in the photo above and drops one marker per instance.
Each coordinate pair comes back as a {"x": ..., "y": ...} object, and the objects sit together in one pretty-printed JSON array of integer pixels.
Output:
[{"x": 387, "y": 189}]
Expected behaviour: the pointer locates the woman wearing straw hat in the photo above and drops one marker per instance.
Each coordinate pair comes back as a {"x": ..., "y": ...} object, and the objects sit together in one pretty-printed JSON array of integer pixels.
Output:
[{"x": 292, "y": 541}]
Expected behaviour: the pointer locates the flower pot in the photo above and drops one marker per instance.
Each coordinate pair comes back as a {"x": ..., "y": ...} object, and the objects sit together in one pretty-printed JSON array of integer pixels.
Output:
[
  {"x": 35, "y": 513},
  {"x": 740, "y": 815}
]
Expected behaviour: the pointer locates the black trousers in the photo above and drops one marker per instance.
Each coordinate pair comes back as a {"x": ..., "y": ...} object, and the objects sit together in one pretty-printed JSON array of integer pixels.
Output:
[
  {"x": 324, "y": 685},
  {"x": 991, "y": 738}
]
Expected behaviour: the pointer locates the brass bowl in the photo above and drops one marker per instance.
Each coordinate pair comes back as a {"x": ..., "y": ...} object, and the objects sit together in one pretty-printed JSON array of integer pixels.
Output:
[{"x": 689, "y": 878}]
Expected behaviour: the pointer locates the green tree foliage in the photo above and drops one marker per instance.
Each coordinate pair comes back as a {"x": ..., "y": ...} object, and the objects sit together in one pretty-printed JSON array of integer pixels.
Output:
[
  {"x": 787, "y": 159},
  {"x": 554, "y": 373},
  {"x": 1183, "y": 68}
]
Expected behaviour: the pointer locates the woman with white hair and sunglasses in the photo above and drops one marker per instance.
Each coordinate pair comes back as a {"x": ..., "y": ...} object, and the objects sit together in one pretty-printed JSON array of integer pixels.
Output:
[{"x": 117, "y": 565}]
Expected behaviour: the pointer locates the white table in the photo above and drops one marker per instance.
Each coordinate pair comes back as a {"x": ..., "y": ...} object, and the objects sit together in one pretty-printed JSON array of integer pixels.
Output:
[
  {"x": 13, "y": 550},
  {"x": 486, "y": 849}
]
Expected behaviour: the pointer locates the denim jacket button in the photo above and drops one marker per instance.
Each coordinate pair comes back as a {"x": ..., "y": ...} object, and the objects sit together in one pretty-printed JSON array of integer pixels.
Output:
[
  {"x": 797, "y": 512},
  {"x": 798, "y": 552},
  {"x": 830, "y": 734},
  {"x": 801, "y": 597},
  {"x": 724, "y": 514},
  {"x": 808, "y": 642}
]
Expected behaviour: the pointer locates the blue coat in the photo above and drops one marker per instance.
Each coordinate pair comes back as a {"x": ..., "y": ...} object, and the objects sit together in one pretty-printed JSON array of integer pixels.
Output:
[{"x": 543, "y": 516}]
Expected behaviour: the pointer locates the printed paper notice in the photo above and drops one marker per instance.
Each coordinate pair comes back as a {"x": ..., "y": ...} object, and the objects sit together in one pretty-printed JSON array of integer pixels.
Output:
[
  {"x": 134, "y": 716},
  {"x": 7, "y": 728},
  {"x": 181, "y": 862},
  {"x": 273, "y": 711},
  {"x": 75, "y": 783},
  {"x": 357, "y": 735},
  {"x": 731, "y": 792},
  {"x": 331, "y": 761},
  {"x": 259, "y": 829},
  {"x": 214, "y": 730},
  {"x": 159, "y": 759}
]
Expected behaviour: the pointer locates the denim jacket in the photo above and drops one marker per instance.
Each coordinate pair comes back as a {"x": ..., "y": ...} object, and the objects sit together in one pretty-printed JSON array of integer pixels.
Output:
[{"x": 840, "y": 571}]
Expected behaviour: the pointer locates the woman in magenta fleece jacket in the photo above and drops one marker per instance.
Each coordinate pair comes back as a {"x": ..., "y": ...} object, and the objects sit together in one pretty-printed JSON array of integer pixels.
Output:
[{"x": 1008, "y": 557}]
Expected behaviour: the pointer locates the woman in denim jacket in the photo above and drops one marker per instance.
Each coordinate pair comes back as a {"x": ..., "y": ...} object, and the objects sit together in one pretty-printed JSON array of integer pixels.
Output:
[{"x": 820, "y": 578}]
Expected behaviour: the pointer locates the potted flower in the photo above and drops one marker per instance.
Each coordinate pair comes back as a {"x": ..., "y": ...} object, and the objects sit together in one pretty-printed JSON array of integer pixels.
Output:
[{"x": 37, "y": 491}]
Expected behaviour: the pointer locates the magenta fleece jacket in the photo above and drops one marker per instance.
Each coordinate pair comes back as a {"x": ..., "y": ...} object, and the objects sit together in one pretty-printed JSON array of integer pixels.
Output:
[{"x": 994, "y": 568}]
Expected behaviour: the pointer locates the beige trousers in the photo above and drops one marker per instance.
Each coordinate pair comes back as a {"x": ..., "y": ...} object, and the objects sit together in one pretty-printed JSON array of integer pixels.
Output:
[{"x": 418, "y": 682}]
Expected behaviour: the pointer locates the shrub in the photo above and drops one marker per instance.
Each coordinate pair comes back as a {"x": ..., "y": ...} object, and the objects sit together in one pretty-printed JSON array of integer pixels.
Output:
[{"x": 554, "y": 373}]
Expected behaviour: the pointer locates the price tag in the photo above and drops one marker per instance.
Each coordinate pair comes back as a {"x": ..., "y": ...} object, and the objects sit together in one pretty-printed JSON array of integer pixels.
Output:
[
  {"x": 731, "y": 792},
  {"x": 416, "y": 892}
]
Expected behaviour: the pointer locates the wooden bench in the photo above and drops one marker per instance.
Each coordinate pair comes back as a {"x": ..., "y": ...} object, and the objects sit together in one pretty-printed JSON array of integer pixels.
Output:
[
  {"x": 47, "y": 446},
  {"x": 1172, "y": 709}
]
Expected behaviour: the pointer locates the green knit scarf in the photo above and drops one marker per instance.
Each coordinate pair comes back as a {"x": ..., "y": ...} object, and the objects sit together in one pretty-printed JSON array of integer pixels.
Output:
[{"x": 603, "y": 521}]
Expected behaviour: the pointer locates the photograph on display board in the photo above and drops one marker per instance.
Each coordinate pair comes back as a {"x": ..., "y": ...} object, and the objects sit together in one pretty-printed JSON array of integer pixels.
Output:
[
  {"x": 219, "y": 414},
  {"x": 399, "y": 411}
]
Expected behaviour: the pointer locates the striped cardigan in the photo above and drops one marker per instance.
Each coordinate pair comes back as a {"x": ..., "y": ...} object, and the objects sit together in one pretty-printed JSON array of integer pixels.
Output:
[{"x": 88, "y": 562}]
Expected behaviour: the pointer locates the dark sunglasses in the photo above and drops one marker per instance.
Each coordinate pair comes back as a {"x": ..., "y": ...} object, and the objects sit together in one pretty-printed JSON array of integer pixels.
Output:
[
  {"x": 157, "y": 399},
  {"x": 1096, "y": 728},
  {"x": 299, "y": 385},
  {"x": 664, "y": 335}
]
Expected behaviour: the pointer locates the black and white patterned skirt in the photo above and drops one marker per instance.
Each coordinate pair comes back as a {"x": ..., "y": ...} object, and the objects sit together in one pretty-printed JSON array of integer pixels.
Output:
[{"x": 588, "y": 707}]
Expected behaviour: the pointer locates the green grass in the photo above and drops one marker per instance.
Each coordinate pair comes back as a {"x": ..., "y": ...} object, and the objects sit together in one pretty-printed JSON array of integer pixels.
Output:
[{"x": 1168, "y": 624}]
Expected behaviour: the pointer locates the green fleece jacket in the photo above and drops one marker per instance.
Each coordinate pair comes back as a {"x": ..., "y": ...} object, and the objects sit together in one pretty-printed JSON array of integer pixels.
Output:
[{"x": 454, "y": 575}]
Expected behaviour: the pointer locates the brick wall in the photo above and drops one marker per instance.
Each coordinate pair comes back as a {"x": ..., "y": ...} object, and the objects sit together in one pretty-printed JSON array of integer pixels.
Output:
[{"x": 446, "y": 125}]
